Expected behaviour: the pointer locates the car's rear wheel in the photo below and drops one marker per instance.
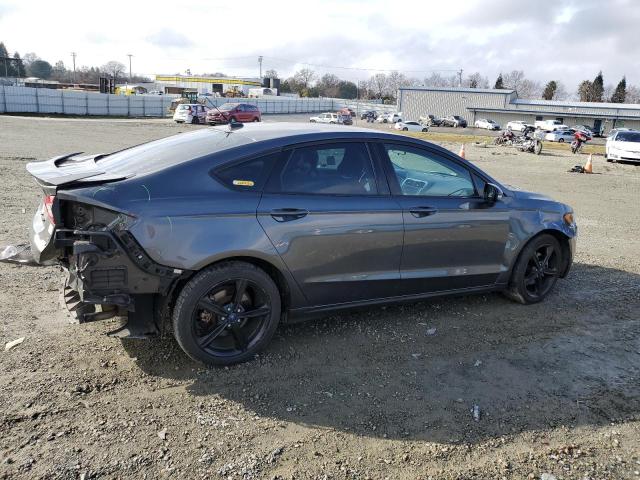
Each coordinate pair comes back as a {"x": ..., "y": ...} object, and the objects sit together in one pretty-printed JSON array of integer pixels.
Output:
[
  {"x": 405, "y": 129},
  {"x": 561, "y": 140},
  {"x": 195, "y": 120},
  {"x": 425, "y": 130},
  {"x": 226, "y": 313},
  {"x": 536, "y": 270}
]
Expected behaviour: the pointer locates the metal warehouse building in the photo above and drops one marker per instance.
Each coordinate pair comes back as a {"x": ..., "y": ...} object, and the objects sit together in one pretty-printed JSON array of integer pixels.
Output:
[{"x": 503, "y": 106}]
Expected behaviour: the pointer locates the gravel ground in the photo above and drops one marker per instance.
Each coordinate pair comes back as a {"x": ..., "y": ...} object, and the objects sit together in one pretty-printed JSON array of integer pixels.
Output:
[{"x": 365, "y": 394}]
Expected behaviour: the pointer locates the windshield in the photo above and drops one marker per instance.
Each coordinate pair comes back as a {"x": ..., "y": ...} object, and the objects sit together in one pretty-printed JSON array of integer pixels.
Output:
[
  {"x": 228, "y": 106},
  {"x": 628, "y": 137}
]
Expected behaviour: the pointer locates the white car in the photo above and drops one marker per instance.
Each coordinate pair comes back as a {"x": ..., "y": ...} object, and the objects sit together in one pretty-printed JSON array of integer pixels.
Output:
[
  {"x": 410, "y": 126},
  {"x": 389, "y": 118},
  {"x": 550, "y": 125},
  {"x": 561, "y": 136},
  {"x": 623, "y": 145},
  {"x": 518, "y": 125},
  {"x": 190, "y": 113},
  {"x": 325, "y": 118},
  {"x": 485, "y": 123}
]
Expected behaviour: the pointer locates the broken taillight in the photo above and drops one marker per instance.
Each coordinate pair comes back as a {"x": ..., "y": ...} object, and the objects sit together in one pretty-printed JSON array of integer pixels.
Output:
[{"x": 48, "y": 207}]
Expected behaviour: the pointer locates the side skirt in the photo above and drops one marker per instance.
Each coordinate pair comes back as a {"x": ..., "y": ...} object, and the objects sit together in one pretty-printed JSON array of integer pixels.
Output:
[{"x": 300, "y": 313}]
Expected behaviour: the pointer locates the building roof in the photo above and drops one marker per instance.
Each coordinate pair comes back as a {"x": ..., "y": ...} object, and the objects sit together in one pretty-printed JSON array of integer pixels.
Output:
[{"x": 463, "y": 90}]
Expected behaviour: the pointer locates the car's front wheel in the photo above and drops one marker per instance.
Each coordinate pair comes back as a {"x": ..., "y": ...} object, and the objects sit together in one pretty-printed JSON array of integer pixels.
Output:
[
  {"x": 536, "y": 270},
  {"x": 226, "y": 313}
]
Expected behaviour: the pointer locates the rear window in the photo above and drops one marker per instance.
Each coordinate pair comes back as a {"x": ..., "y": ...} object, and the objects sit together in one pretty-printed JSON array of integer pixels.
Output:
[
  {"x": 184, "y": 107},
  {"x": 628, "y": 137},
  {"x": 159, "y": 154}
]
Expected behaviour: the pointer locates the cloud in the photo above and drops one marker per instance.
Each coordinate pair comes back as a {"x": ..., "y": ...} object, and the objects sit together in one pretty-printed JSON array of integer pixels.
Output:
[{"x": 168, "y": 38}]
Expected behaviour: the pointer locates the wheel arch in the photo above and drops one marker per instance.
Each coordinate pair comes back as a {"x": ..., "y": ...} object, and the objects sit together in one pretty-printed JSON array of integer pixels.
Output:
[{"x": 565, "y": 246}]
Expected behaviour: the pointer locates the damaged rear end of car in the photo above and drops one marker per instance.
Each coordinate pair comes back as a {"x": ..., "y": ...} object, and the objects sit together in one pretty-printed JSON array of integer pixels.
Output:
[{"x": 108, "y": 273}]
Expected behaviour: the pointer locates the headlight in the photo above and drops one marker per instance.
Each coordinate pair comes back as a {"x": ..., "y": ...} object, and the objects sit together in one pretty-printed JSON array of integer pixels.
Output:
[{"x": 568, "y": 218}]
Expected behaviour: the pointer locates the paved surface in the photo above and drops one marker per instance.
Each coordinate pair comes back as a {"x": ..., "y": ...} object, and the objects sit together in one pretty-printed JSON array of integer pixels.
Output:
[{"x": 365, "y": 394}]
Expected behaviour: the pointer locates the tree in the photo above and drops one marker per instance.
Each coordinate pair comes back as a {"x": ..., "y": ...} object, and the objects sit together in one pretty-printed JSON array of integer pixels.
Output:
[
  {"x": 585, "y": 91},
  {"x": 3, "y": 50},
  {"x": 18, "y": 66},
  {"x": 561, "y": 92},
  {"x": 597, "y": 88},
  {"x": 378, "y": 85},
  {"x": 513, "y": 80},
  {"x": 271, "y": 73},
  {"x": 633, "y": 94},
  {"x": 304, "y": 78},
  {"x": 114, "y": 69},
  {"x": 347, "y": 89},
  {"x": 60, "y": 72},
  {"x": 499, "y": 82},
  {"x": 620, "y": 93},
  {"x": 476, "y": 80},
  {"x": 328, "y": 85},
  {"x": 40, "y": 69},
  {"x": 29, "y": 58},
  {"x": 549, "y": 90}
]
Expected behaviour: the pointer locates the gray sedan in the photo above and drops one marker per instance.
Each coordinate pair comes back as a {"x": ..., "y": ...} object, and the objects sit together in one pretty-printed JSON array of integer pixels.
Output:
[{"x": 220, "y": 234}]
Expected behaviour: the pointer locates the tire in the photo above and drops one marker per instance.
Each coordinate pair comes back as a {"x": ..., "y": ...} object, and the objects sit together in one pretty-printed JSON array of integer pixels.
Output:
[
  {"x": 537, "y": 149},
  {"x": 234, "y": 338},
  {"x": 525, "y": 284},
  {"x": 256, "y": 119},
  {"x": 561, "y": 140},
  {"x": 195, "y": 120},
  {"x": 233, "y": 119},
  {"x": 385, "y": 121},
  {"x": 425, "y": 130},
  {"x": 312, "y": 121},
  {"x": 405, "y": 129}
]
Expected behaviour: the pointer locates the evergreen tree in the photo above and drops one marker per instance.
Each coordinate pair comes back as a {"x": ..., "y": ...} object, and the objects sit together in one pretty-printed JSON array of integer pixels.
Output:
[
  {"x": 597, "y": 88},
  {"x": 620, "y": 93},
  {"x": 549, "y": 90},
  {"x": 499, "y": 83},
  {"x": 18, "y": 66}
]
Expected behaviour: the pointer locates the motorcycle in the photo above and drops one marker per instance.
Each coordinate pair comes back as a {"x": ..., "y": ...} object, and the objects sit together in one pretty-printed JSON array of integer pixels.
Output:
[{"x": 580, "y": 139}]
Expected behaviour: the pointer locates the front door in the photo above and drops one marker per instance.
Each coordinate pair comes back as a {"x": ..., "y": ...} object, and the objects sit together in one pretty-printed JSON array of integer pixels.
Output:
[
  {"x": 333, "y": 223},
  {"x": 453, "y": 238}
]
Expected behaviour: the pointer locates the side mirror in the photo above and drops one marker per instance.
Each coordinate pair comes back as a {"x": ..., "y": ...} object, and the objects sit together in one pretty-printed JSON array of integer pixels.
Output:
[{"x": 492, "y": 193}]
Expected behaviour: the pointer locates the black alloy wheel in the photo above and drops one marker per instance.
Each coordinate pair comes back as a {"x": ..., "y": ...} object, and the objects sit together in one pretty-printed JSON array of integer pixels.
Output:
[
  {"x": 537, "y": 270},
  {"x": 226, "y": 313}
]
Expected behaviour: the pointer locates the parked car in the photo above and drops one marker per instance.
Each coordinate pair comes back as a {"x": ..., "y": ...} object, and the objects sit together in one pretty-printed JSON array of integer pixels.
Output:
[
  {"x": 411, "y": 126},
  {"x": 325, "y": 118},
  {"x": 430, "y": 120},
  {"x": 550, "y": 125},
  {"x": 368, "y": 113},
  {"x": 561, "y": 136},
  {"x": 454, "y": 121},
  {"x": 623, "y": 145},
  {"x": 487, "y": 124},
  {"x": 518, "y": 125},
  {"x": 345, "y": 119},
  {"x": 389, "y": 118},
  {"x": 219, "y": 234},
  {"x": 347, "y": 111},
  {"x": 234, "y": 112},
  {"x": 190, "y": 113}
]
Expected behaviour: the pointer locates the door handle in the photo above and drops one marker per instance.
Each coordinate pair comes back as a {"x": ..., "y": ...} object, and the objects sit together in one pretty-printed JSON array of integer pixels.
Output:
[
  {"x": 420, "y": 212},
  {"x": 288, "y": 214}
]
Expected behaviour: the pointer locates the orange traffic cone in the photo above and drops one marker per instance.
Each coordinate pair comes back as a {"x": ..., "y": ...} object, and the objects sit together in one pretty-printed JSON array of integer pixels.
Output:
[
  {"x": 588, "y": 167},
  {"x": 461, "y": 154}
]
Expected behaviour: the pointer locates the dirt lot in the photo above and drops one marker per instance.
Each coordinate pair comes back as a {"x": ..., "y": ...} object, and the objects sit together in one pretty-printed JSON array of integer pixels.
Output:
[{"x": 358, "y": 395}]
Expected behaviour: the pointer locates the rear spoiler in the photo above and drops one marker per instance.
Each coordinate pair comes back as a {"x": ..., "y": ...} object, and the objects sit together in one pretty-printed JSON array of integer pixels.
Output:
[{"x": 67, "y": 169}]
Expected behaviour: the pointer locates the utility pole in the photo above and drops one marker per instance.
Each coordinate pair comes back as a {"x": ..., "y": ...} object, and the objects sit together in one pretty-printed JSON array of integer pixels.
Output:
[
  {"x": 460, "y": 78},
  {"x": 73, "y": 56},
  {"x": 130, "y": 75},
  {"x": 260, "y": 62}
]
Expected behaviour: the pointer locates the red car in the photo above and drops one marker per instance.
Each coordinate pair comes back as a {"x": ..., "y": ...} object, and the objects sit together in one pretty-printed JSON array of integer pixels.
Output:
[{"x": 233, "y": 112}]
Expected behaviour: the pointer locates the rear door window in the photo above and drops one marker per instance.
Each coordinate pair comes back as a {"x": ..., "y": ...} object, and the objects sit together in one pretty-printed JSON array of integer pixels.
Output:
[
  {"x": 332, "y": 169},
  {"x": 249, "y": 175}
]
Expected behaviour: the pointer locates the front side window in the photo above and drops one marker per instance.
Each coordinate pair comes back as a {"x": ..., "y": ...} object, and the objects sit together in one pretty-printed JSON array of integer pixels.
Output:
[
  {"x": 423, "y": 173},
  {"x": 338, "y": 169}
]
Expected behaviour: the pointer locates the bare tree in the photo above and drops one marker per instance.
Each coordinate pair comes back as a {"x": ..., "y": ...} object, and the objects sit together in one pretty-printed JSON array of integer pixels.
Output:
[
  {"x": 113, "y": 68},
  {"x": 561, "y": 92},
  {"x": 633, "y": 94},
  {"x": 378, "y": 85},
  {"x": 329, "y": 85},
  {"x": 513, "y": 80},
  {"x": 304, "y": 77},
  {"x": 607, "y": 92},
  {"x": 271, "y": 73},
  {"x": 476, "y": 80}
]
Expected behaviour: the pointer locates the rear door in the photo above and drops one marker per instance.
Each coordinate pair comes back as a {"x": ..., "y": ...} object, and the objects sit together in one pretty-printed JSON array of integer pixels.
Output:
[
  {"x": 453, "y": 238},
  {"x": 328, "y": 213}
]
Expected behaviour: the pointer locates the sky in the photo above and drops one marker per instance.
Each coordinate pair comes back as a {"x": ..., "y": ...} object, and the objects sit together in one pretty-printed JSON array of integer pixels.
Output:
[{"x": 568, "y": 41}]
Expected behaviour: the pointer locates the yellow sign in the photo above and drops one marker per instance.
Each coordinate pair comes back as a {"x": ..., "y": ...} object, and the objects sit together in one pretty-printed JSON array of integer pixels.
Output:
[{"x": 243, "y": 183}]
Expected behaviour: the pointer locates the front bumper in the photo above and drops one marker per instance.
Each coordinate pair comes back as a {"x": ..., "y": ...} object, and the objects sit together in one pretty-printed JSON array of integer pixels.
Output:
[{"x": 617, "y": 154}]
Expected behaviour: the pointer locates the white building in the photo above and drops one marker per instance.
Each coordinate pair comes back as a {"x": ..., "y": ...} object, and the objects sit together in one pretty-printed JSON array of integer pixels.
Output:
[{"x": 203, "y": 84}]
